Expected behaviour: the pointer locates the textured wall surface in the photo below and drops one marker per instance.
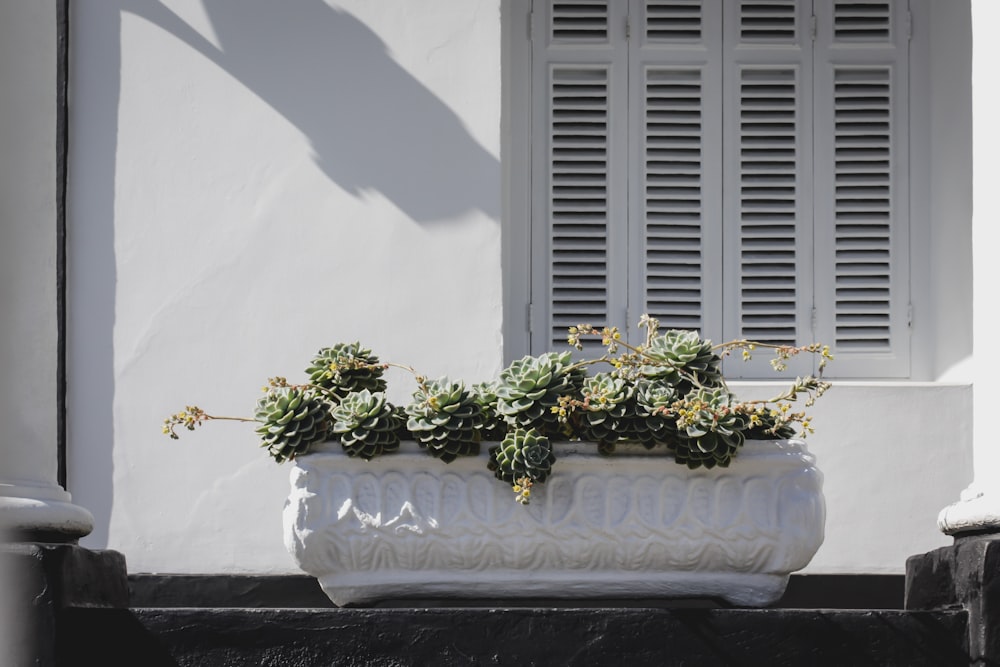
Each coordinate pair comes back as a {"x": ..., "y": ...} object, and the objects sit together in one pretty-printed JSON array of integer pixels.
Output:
[{"x": 251, "y": 181}]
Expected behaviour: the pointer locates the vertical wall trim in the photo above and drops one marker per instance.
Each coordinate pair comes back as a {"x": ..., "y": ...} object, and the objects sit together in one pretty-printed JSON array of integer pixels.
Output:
[{"x": 62, "y": 145}]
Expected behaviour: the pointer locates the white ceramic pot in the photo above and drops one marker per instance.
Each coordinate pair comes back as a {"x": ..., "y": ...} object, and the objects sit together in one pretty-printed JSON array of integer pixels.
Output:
[{"x": 633, "y": 525}]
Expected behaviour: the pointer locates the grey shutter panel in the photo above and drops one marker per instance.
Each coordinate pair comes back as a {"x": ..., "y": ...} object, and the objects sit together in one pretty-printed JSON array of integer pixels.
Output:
[
  {"x": 768, "y": 182},
  {"x": 675, "y": 200},
  {"x": 744, "y": 177},
  {"x": 862, "y": 214},
  {"x": 578, "y": 197}
]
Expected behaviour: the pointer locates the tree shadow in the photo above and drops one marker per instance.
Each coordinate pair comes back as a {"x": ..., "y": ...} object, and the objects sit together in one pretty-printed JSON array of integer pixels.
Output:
[{"x": 371, "y": 124}]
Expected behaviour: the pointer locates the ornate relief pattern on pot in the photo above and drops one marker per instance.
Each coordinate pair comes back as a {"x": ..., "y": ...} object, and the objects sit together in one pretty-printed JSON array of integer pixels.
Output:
[{"x": 633, "y": 525}]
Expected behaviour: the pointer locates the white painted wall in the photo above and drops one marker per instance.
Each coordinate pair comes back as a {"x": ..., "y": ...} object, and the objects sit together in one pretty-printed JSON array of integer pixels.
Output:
[
  {"x": 251, "y": 180},
  {"x": 978, "y": 508}
]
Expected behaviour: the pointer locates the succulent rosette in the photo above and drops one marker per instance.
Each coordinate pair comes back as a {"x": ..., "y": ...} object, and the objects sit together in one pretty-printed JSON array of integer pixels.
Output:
[
  {"x": 710, "y": 430},
  {"x": 764, "y": 426},
  {"x": 291, "y": 421},
  {"x": 609, "y": 410},
  {"x": 346, "y": 368},
  {"x": 367, "y": 424},
  {"x": 529, "y": 389},
  {"x": 682, "y": 358},
  {"x": 494, "y": 428},
  {"x": 656, "y": 423},
  {"x": 445, "y": 418},
  {"x": 523, "y": 459}
]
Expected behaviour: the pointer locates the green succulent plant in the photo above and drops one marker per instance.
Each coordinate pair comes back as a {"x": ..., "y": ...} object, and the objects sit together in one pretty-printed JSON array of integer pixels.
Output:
[
  {"x": 609, "y": 410},
  {"x": 523, "y": 459},
  {"x": 445, "y": 418},
  {"x": 494, "y": 428},
  {"x": 291, "y": 421},
  {"x": 668, "y": 390},
  {"x": 346, "y": 368},
  {"x": 529, "y": 389},
  {"x": 402, "y": 418},
  {"x": 656, "y": 423},
  {"x": 710, "y": 430},
  {"x": 682, "y": 358},
  {"x": 367, "y": 424},
  {"x": 767, "y": 428}
]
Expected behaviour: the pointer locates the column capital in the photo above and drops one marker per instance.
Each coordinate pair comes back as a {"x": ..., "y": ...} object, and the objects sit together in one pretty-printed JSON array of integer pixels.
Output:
[{"x": 977, "y": 510}]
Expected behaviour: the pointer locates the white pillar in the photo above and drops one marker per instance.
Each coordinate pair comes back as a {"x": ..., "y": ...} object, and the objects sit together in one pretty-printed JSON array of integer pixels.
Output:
[
  {"x": 31, "y": 500},
  {"x": 979, "y": 506}
]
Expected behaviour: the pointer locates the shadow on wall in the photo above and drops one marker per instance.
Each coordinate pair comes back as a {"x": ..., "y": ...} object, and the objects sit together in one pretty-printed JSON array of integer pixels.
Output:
[
  {"x": 372, "y": 127},
  {"x": 371, "y": 124}
]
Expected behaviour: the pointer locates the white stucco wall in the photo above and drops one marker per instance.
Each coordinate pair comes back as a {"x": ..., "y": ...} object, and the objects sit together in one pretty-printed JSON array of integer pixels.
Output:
[{"x": 251, "y": 180}]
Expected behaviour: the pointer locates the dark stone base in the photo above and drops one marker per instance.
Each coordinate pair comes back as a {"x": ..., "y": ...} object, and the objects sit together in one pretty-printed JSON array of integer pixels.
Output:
[
  {"x": 963, "y": 576},
  {"x": 41, "y": 581},
  {"x": 507, "y": 636},
  {"x": 840, "y": 591}
]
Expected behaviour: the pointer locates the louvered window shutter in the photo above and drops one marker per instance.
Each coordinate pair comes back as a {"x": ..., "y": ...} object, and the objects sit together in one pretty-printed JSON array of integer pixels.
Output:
[
  {"x": 862, "y": 243},
  {"x": 675, "y": 204},
  {"x": 738, "y": 167},
  {"x": 767, "y": 181},
  {"x": 580, "y": 143}
]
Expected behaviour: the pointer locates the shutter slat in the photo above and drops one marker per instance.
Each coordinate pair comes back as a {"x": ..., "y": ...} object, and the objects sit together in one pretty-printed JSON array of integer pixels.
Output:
[
  {"x": 860, "y": 21},
  {"x": 580, "y": 21},
  {"x": 773, "y": 21},
  {"x": 673, "y": 21}
]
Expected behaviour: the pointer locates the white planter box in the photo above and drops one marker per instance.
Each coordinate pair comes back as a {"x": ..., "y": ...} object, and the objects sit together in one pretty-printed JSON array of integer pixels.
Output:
[{"x": 632, "y": 525}]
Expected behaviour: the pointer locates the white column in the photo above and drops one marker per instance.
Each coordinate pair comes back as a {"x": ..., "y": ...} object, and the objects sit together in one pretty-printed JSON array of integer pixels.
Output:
[
  {"x": 979, "y": 506},
  {"x": 31, "y": 500}
]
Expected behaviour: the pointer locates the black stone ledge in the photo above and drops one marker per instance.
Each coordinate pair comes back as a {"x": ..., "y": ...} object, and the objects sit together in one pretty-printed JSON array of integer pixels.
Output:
[
  {"x": 301, "y": 591},
  {"x": 65, "y": 575},
  {"x": 963, "y": 576},
  {"x": 40, "y": 583},
  {"x": 505, "y": 636}
]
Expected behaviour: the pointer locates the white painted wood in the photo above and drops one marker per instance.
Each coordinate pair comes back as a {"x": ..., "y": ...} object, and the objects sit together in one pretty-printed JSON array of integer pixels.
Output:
[
  {"x": 675, "y": 213},
  {"x": 767, "y": 181},
  {"x": 579, "y": 238},
  {"x": 862, "y": 187},
  {"x": 30, "y": 497}
]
